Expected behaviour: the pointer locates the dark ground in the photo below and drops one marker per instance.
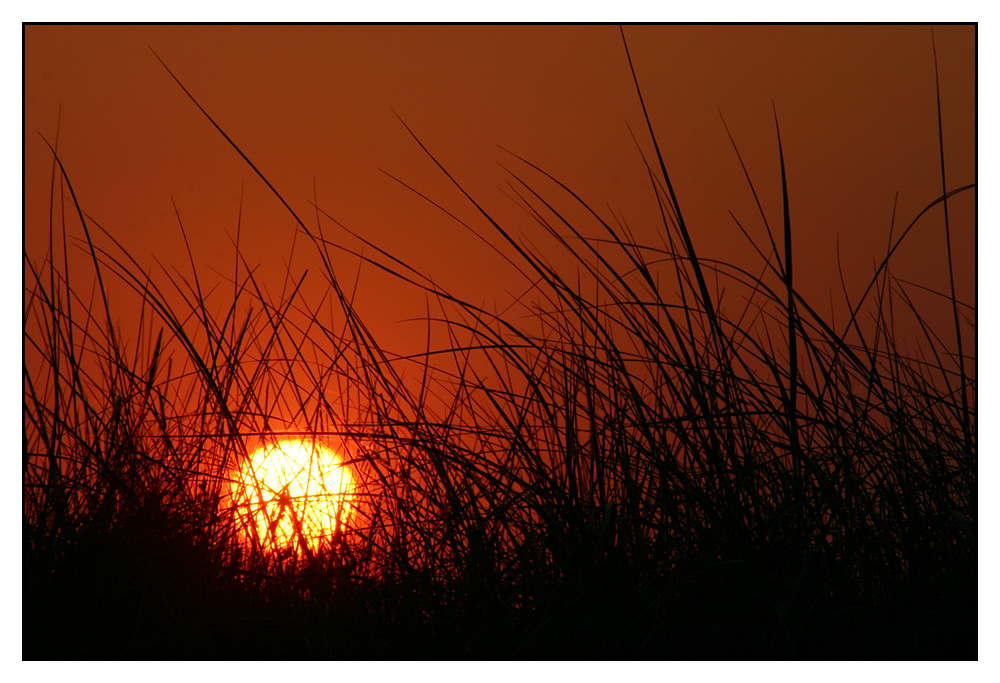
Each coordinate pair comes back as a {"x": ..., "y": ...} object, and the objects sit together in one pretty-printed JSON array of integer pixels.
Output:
[{"x": 115, "y": 599}]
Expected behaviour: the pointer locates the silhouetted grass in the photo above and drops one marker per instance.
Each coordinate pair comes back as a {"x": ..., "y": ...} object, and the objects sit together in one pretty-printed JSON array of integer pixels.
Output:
[{"x": 626, "y": 464}]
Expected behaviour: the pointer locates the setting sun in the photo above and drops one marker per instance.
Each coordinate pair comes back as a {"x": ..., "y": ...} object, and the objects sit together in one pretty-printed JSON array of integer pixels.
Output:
[{"x": 294, "y": 494}]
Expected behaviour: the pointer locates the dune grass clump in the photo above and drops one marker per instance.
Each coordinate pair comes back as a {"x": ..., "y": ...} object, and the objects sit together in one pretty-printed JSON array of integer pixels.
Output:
[{"x": 625, "y": 464}]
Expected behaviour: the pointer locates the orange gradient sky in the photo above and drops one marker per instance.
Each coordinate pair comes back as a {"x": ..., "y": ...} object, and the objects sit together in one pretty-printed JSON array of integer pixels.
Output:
[{"x": 316, "y": 107}]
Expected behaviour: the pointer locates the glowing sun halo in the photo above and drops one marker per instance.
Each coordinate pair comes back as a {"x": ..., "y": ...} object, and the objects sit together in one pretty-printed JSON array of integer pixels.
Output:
[{"x": 294, "y": 493}]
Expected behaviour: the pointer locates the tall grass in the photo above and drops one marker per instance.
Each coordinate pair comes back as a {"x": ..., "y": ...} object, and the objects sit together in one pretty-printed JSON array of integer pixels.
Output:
[{"x": 625, "y": 463}]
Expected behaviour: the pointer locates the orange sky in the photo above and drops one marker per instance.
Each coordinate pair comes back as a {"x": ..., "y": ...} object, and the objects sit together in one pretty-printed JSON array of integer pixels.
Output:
[{"x": 315, "y": 105}]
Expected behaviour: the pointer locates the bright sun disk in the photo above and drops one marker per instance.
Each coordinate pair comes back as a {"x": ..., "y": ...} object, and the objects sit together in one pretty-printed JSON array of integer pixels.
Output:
[{"x": 294, "y": 494}]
